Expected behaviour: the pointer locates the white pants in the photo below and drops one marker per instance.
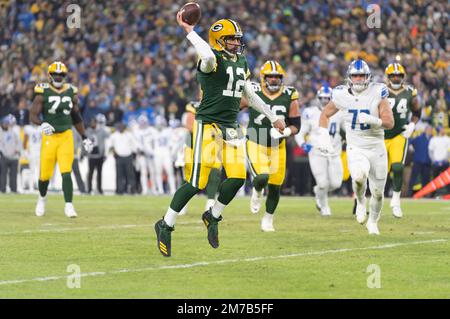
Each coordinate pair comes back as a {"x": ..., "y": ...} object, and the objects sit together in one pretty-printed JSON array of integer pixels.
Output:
[
  {"x": 369, "y": 163},
  {"x": 163, "y": 162},
  {"x": 146, "y": 166},
  {"x": 327, "y": 171}
]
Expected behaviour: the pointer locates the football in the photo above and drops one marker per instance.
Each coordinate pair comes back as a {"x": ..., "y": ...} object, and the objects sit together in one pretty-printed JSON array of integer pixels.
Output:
[{"x": 191, "y": 13}]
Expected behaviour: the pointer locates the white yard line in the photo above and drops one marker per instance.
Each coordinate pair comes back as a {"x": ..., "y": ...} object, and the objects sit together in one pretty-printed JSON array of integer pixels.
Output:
[{"x": 225, "y": 261}]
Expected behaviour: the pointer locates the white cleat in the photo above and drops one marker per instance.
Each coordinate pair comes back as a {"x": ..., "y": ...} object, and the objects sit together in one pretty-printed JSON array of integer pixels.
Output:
[
  {"x": 325, "y": 211},
  {"x": 255, "y": 201},
  {"x": 69, "y": 210},
  {"x": 361, "y": 212},
  {"x": 372, "y": 227},
  {"x": 267, "y": 223},
  {"x": 397, "y": 211},
  {"x": 40, "y": 207}
]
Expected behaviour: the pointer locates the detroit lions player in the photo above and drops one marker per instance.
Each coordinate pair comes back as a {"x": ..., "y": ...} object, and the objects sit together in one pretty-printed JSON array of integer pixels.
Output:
[
  {"x": 326, "y": 168},
  {"x": 366, "y": 114}
]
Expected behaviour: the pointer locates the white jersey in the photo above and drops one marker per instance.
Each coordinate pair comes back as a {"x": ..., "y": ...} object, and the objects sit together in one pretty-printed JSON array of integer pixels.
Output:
[
  {"x": 310, "y": 125},
  {"x": 360, "y": 135},
  {"x": 146, "y": 140},
  {"x": 34, "y": 133},
  {"x": 163, "y": 139}
]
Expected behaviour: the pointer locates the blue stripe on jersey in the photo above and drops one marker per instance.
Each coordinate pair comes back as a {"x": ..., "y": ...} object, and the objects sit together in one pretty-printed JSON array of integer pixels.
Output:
[{"x": 384, "y": 92}]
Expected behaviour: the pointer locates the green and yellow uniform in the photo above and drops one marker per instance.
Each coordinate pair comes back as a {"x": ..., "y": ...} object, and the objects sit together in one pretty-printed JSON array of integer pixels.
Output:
[
  {"x": 57, "y": 108},
  {"x": 401, "y": 104},
  {"x": 266, "y": 155},
  {"x": 216, "y": 120}
]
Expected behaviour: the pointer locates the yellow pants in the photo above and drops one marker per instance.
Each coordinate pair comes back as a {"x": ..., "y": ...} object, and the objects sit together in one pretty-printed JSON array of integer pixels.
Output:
[
  {"x": 267, "y": 160},
  {"x": 396, "y": 150},
  {"x": 56, "y": 148},
  {"x": 209, "y": 150}
]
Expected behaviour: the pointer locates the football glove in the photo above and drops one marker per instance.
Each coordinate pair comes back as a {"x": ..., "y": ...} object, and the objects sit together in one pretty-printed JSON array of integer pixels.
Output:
[
  {"x": 364, "y": 118},
  {"x": 408, "y": 129},
  {"x": 275, "y": 134},
  {"x": 306, "y": 147},
  {"x": 47, "y": 129},
  {"x": 88, "y": 145},
  {"x": 324, "y": 141}
]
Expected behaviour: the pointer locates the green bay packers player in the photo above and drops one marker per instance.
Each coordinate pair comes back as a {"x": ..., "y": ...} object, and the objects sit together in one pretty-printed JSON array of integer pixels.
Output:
[
  {"x": 222, "y": 73},
  {"x": 266, "y": 147},
  {"x": 403, "y": 100},
  {"x": 57, "y": 103},
  {"x": 214, "y": 178}
]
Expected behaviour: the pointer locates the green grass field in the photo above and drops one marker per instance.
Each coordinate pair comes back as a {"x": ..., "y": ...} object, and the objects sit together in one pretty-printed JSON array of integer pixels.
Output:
[{"x": 113, "y": 243}]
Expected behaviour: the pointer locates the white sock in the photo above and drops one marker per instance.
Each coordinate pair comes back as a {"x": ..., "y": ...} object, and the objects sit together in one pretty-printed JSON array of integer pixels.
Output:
[
  {"x": 396, "y": 196},
  {"x": 322, "y": 196},
  {"x": 170, "y": 217},
  {"x": 42, "y": 198},
  {"x": 209, "y": 203},
  {"x": 268, "y": 216},
  {"x": 217, "y": 209},
  {"x": 375, "y": 208},
  {"x": 69, "y": 204}
]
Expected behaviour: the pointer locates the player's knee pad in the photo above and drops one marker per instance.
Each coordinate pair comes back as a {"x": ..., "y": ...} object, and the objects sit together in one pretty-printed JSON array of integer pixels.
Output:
[
  {"x": 377, "y": 194},
  {"x": 359, "y": 175}
]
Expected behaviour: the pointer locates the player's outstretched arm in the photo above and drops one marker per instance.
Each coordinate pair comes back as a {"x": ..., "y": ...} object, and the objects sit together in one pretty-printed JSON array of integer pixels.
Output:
[
  {"x": 207, "y": 57},
  {"x": 258, "y": 104}
]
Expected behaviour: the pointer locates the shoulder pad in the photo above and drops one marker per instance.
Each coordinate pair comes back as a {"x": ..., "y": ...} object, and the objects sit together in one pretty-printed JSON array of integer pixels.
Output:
[
  {"x": 294, "y": 94},
  {"x": 412, "y": 89},
  {"x": 74, "y": 89},
  {"x": 39, "y": 88}
]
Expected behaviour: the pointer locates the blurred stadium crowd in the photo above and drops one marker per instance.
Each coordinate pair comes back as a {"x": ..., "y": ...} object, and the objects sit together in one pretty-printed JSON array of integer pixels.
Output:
[{"x": 130, "y": 58}]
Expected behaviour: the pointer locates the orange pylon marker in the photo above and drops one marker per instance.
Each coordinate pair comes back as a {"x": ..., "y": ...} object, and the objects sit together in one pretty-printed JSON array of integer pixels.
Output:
[{"x": 440, "y": 181}]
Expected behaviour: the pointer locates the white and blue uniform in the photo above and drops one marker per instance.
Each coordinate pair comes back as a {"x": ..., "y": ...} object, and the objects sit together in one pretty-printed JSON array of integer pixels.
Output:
[
  {"x": 366, "y": 151},
  {"x": 326, "y": 168}
]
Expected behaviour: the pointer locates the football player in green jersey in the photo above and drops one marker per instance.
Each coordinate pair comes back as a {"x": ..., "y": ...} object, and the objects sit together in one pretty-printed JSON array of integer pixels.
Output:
[
  {"x": 57, "y": 102},
  {"x": 222, "y": 73},
  {"x": 403, "y": 100},
  {"x": 265, "y": 146}
]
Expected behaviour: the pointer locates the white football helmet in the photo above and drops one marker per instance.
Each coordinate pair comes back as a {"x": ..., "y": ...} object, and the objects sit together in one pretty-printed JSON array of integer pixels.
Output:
[
  {"x": 355, "y": 68},
  {"x": 323, "y": 96}
]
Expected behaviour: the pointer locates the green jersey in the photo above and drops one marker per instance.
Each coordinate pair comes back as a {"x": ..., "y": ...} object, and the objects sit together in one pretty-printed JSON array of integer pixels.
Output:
[
  {"x": 57, "y": 105},
  {"x": 401, "y": 104},
  {"x": 259, "y": 125},
  {"x": 222, "y": 90}
]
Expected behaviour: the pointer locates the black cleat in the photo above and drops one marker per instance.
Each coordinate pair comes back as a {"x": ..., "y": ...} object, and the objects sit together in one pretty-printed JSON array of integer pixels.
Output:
[
  {"x": 213, "y": 228},
  {"x": 163, "y": 237}
]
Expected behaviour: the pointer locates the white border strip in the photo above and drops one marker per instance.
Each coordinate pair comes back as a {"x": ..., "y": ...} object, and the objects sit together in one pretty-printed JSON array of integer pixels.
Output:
[{"x": 225, "y": 261}]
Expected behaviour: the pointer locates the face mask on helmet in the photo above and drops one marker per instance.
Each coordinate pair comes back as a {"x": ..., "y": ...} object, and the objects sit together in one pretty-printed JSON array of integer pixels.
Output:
[
  {"x": 273, "y": 82},
  {"x": 359, "y": 82},
  {"x": 232, "y": 44},
  {"x": 57, "y": 79},
  {"x": 396, "y": 80},
  {"x": 358, "y": 75}
]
